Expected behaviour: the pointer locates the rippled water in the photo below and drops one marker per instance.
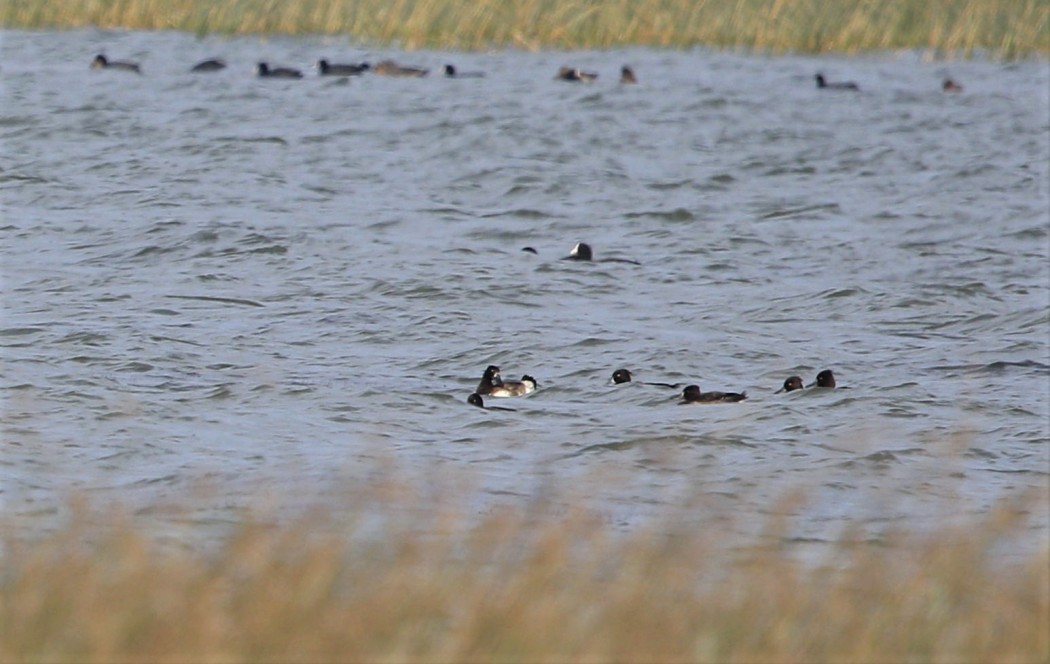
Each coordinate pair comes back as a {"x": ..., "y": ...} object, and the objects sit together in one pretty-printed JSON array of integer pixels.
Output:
[{"x": 291, "y": 286}]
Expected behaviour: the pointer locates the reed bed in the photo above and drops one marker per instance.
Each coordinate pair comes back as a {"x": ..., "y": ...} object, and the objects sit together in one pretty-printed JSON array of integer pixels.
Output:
[
  {"x": 1004, "y": 28},
  {"x": 517, "y": 585}
]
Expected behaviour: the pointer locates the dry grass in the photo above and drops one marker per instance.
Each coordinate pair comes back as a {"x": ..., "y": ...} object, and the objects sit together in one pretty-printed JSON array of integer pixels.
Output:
[
  {"x": 1007, "y": 28},
  {"x": 516, "y": 586}
]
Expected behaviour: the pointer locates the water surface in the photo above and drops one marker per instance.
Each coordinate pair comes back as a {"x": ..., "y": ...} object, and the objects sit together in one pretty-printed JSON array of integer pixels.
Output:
[{"x": 217, "y": 287}]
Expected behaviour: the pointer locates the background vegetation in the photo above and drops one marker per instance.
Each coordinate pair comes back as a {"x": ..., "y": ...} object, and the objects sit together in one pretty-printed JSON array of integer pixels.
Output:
[
  {"x": 518, "y": 585},
  {"x": 1005, "y": 28}
]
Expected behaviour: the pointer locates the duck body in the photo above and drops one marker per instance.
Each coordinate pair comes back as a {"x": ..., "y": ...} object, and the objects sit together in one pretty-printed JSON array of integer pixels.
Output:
[
  {"x": 327, "y": 69},
  {"x": 264, "y": 71},
  {"x": 823, "y": 84},
  {"x": 583, "y": 252},
  {"x": 621, "y": 376},
  {"x": 101, "y": 62},
  {"x": 575, "y": 75},
  {"x": 692, "y": 395},
  {"x": 213, "y": 64},
  {"x": 627, "y": 76},
  {"x": 515, "y": 388},
  {"x": 452, "y": 72},
  {"x": 391, "y": 68}
]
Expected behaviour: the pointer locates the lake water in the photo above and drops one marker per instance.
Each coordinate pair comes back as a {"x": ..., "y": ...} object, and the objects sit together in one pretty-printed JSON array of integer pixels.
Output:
[{"x": 220, "y": 290}]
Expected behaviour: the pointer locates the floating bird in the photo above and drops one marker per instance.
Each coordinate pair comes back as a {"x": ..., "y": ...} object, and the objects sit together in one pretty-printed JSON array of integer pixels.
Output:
[
  {"x": 582, "y": 252},
  {"x": 791, "y": 384},
  {"x": 391, "y": 68},
  {"x": 825, "y": 379},
  {"x": 692, "y": 394},
  {"x": 280, "y": 72},
  {"x": 575, "y": 75},
  {"x": 627, "y": 75},
  {"x": 452, "y": 72},
  {"x": 476, "y": 400},
  {"x": 327, "y": 69},
  {"x": 213, "y": 64},
  {"x": 844, "y": 85},
  {"x": 101, "y": 62}
]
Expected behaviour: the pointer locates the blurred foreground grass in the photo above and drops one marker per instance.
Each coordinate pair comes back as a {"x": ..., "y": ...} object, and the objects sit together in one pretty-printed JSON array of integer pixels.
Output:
[
  {"x": 1005, "y": 28},
  {"x": 518, "y": 586}
]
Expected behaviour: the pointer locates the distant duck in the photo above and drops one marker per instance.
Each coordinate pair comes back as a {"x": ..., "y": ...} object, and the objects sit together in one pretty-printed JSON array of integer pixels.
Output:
[
  {"x": 621, "y": 376},
  {"x": 280, "y": 72},
  {"x": 327, "y": 69},
  {"x": 627, "y": 75},
  {"x": 476, "y": 400},
  {"x": 101, "y": 62},
  {"x": 951, "y": 86},
  {"x": 490, "y": 380},
  {"x": 575, "y": 75},
  {"x": 692, "y": 395},
  {"x": 530, "y": 250},
  {"x": 514, "y": 388},
  {"x": 843, "y": 85},
  {"x": 791, "y": 384},
  {"x": 582, "y": 252},
  {"x": 213, "y": 64},
  {"x": 825, "y": 379},
  {"x": 452, "y": 72},
  {"x": 391, "y": 68}
]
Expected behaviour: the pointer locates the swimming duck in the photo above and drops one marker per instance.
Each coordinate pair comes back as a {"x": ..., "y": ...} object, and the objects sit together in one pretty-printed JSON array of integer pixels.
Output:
[
  {"x": 391, "y": 68},
  {"x": 327, "y": 69},
  {"x": 621, "y": 376},
  {"x": 514, "y": 388},
  {"x": 575, "y": 75},
  {"x": 101, "y": 62},
  {"x": 843, "y": 85},
  {"x": 951, "y": 86},
  {"x": 582, "y": 252},
  {"x": 280, "y": 72},
  {"x": 825, "y": 379},
  {"x": 213, "y": 64},
  {"x": 452, "y": 72},
  {"x": 490, "y": 379},
  {"x": 692, "y": 394},
  {"x": 627, "y": 75},
  {"x": 791, "y": 384},
  {"x": 476, "y": 400}
]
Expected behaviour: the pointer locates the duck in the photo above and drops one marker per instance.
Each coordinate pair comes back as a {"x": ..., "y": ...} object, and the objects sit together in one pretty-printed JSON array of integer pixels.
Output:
[
  {"x": 692, "y": 395},
  {"x": 490, "y": 380},
  {"x": 327, "y": 69},
  {"x": 452, "y": 72},
  {"x": 951, "y": 86},
  {"x": 825, "y": 379},
  {"x": 391, "y": 68},
  {"x": 514, "y": 388},
  {"x": 583, "y": 252},
  {"x": 213, "y": 64},
  {"x": 280, "y": 72},
  {"x": 101, "y": 62},
  {"x": 621, "y": 376},
  {"x": 476, "y": 400},
  {"x": 843, "y": 85},
  {"x": 627, "y": 76},
  {"x": 575, "y": 75},
  {"x": 791, "y": 384}
]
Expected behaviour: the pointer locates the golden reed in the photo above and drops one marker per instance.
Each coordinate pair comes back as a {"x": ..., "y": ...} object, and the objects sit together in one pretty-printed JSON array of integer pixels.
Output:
[
  {"x": 385, "y": 583},
  {"x": 1003, "y": 28}
]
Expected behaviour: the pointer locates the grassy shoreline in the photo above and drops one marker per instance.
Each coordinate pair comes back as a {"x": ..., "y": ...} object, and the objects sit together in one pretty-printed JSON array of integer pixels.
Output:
[
  {"x": 516, "y": 585},
  {"x": 1006, "y": 29}
]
